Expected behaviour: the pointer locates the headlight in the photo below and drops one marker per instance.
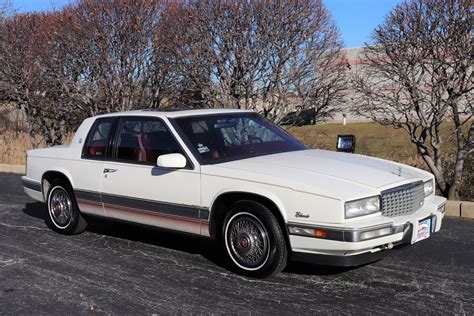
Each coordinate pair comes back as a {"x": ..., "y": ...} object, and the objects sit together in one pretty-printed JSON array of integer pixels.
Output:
[
  {"x": 362, "y": 207},
  {"x": 429, "y": 187}
]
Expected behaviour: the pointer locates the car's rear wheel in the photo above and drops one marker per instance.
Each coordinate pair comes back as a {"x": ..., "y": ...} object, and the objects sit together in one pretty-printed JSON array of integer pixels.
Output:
[
  {"x": 253, "y": 240},
  {"x": 64, "y": 216}
]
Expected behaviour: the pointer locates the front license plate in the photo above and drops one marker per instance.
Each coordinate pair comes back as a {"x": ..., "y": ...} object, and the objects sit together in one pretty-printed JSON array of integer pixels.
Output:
[{"x": 424, "y": 229}]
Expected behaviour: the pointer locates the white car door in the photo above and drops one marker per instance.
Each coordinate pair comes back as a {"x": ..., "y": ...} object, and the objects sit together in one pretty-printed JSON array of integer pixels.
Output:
[
  {"x": 135, "y": 189},
  {"x": 87, "y": 172}
]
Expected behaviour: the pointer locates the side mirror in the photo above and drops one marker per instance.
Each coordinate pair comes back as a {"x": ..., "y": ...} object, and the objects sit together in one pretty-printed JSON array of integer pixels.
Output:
[
  {"x": 346, "y": 143},
  {"x": 174, "y": 161}
]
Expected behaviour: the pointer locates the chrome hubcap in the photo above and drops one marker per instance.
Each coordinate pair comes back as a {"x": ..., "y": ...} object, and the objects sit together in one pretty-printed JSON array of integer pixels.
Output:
[
  {"x": 247, "y": 240},
  {"x": 60, "y": 207}
]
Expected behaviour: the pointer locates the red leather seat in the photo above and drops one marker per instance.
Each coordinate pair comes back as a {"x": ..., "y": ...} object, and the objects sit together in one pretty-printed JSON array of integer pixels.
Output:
[{"x": 144, "y": 153}]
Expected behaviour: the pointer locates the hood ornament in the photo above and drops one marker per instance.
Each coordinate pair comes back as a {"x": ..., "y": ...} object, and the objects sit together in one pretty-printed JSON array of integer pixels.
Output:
[{"x": 398, "y": 172}]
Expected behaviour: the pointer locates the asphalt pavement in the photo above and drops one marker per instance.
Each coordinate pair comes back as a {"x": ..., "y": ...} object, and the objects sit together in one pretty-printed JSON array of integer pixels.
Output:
[{"x": 119, "y": 268}]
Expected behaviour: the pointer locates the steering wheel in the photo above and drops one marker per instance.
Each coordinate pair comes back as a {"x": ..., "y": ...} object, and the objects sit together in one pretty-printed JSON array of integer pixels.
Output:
[{"x": 254, "y": 140}]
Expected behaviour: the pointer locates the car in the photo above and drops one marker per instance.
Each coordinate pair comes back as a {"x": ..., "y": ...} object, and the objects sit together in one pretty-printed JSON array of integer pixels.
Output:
[
  {"x": 300, "y": 117},
  {"x": 235, "y": 177}
]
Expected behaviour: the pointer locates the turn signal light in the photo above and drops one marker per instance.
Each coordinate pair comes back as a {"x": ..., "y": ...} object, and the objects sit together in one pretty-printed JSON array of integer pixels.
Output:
[{"x": 320, "y": 233}]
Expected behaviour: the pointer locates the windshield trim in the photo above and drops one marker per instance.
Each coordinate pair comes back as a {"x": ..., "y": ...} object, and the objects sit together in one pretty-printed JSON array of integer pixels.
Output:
[{"x": 199, "y": 158}]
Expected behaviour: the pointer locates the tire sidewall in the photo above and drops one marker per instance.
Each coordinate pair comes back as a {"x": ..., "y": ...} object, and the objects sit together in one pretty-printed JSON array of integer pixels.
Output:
[{"x": 273, "y": 230}]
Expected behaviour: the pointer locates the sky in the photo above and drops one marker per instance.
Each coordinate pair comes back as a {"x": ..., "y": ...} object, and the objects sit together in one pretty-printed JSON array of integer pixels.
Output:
[
  {"x": 355, "y": 19},
  {"x": 38, "y": 5}
]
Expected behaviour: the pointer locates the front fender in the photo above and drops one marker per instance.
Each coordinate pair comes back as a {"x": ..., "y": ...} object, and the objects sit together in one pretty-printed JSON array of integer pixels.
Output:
[{"x": 263, "y": 193}]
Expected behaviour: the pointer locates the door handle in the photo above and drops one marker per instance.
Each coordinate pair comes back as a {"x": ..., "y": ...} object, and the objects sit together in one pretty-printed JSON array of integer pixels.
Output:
[{"x": 107, "y": 170}]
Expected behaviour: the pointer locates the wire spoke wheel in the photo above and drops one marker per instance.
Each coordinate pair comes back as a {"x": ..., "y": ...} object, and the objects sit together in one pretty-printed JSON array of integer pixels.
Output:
[
  {"x": 247, "y": 241},
  {"x": 60, "y": 207}
]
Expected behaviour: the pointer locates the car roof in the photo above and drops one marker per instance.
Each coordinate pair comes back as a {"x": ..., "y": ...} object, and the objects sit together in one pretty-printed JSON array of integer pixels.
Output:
[{"x": 175, "y": 113}]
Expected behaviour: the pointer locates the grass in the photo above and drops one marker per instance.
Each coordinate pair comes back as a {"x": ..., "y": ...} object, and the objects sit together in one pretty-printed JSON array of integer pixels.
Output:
[
  {"x": 371, "y": 139},
  {"x": 14, "y": 144},
  {"x": 13, "y": 147}
]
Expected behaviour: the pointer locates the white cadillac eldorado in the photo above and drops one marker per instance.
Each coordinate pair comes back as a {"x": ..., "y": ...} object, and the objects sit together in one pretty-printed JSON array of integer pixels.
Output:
[{"x": 233, "y": 176}]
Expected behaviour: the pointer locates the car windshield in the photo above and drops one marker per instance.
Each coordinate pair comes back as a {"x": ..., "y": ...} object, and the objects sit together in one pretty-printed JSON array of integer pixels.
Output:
[{"x": 220, "y": 138}]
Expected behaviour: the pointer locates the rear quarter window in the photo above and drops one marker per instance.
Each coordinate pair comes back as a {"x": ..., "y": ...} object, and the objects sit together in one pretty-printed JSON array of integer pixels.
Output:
[{"x": 98, "y": 139}]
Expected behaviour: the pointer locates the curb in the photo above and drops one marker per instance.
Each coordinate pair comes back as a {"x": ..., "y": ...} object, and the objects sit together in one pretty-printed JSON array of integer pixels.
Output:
[
  {"x": 460, "y": 209},
  {"x": 12, "y": 168}
]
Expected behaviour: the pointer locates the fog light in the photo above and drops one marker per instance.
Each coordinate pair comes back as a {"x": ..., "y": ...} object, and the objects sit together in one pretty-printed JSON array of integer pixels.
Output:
[{"x": 375, "y": 233}]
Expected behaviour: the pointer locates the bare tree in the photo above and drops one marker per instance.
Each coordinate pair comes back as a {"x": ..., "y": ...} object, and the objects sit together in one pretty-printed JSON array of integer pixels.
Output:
[
  {"x": 18, "y": 80},
  {"x": 237, "y": 50},
  {"x": 418, "y": 74},
  {"x": 87, "y": 59},
  {"x": 306, "y": 66},
  {"x": 109, "y": 56},
  {"x": 34, "y": 70},
  {"x": 96, "y": 56},
  {"x": 182, "y": 53},
  {"x": 120, "y": 42},
  {"x": 215, "y": 49},
  {"x": 263, "y": 55}
]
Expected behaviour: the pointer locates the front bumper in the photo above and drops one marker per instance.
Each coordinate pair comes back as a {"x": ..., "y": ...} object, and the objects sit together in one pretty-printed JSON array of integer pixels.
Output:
[{"x": 365, "y": 240}]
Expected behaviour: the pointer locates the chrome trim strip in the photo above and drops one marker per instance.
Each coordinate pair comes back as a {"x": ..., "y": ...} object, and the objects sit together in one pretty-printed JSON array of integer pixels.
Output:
[
  {"x": 32, "y": 184},
  {"x": 348, "y": 234},
  {"x": 402, "y": 187},
  {"x": 339, "y": 228}
]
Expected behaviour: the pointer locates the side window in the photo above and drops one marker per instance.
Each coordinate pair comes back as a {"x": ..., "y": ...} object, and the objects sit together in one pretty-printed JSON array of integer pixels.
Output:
[
  {"x": 98, "y": 138},
  {"x": 143, "y": 140}
]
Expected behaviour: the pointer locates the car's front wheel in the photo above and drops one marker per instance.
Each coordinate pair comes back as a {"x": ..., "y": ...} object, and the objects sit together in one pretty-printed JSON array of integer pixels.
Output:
[
  {"x": 64, "y": 216},
  {"x": 253, "y": 240}
]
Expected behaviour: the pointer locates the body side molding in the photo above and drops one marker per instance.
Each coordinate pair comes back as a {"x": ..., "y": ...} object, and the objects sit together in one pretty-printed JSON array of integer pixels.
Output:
[
  {"x": 159, "y": 208},
  {"x": 32, "y": 184}
]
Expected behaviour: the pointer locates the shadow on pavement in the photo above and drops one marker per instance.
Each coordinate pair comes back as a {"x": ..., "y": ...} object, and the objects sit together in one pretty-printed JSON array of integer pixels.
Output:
[
  {"x": 171, "y": 240},
  {"x": 314, "y": 269}
]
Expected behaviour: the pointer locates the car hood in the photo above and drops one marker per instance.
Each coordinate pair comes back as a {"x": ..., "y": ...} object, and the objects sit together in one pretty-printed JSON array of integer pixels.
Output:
[{"x": 333, "y": 173}]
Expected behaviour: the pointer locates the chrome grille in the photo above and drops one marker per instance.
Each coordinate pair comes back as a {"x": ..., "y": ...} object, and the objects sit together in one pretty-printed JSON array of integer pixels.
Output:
[{"x": 403, "y": 200}]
